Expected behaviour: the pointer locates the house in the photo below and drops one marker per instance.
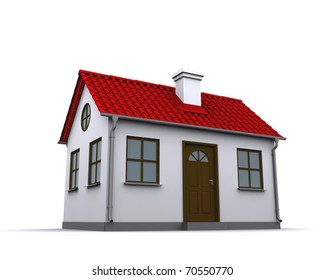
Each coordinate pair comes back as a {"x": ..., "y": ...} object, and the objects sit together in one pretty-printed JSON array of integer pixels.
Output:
[{"x": 144, "y": 156}]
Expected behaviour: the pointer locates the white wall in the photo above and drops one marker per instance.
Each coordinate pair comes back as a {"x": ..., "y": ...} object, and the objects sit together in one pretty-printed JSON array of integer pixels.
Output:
[
  {"x": 165, "y": 203},
  {"x": 87, "y": 204}
]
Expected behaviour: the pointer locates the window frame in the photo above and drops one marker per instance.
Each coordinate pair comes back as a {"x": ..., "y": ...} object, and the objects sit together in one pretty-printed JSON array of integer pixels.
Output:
[
  {"x": 142, "y": 161},
  {"x": 249, "y": 169},
  {"x": 74, "y": 171},
  {"x": 85, "y": 116},
  {"x": 96, "y": 162}
]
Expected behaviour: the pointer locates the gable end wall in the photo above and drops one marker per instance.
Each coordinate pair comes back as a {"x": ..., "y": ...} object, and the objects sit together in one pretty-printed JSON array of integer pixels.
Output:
[{"x": 87, "y": 204}]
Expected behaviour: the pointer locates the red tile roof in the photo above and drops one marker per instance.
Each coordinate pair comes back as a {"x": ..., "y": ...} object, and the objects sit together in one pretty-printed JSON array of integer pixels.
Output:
[{"x": 131, "y": 98}]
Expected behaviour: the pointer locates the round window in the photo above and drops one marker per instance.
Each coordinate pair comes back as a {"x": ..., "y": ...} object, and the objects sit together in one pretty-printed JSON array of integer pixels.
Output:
[{"x": 85, "y": 117}]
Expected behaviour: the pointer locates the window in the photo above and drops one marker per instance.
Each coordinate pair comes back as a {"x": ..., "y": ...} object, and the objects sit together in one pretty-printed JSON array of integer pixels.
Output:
[
  {"x": 142, "y": 160},
  {"x": 249, "y": 169},
  {"x": 74, "y": 170},
  {"x": 94, "y": 162},
  {"x": 85, "y": 117},
  {"x": 198, "y": 156}
]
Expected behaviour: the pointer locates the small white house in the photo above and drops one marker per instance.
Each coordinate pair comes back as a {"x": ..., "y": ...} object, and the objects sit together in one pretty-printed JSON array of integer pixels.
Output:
[{"x": 143, "y": 156}]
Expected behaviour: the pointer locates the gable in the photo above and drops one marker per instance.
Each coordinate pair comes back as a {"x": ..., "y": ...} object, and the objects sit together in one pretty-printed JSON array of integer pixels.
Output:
[
  {"x": 153, "y": 102},
  {"x": 72, "y": 111}
]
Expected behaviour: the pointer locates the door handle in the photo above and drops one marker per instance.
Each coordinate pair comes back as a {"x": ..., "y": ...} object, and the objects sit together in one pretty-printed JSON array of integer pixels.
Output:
[{"x": 211, "y": 182}]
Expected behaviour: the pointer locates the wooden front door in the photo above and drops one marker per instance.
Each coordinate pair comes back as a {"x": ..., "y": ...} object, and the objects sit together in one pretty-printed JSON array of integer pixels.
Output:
[{"x": 200, "y": 183}]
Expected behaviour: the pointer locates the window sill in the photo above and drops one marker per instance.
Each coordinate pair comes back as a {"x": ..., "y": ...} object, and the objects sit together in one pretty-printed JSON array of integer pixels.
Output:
[
  {"x": 142, "y": 184},
  {"x": 251, "y": 189},
  {"x": 72, "y": 190},
  {"x": 93, "y": 185}
]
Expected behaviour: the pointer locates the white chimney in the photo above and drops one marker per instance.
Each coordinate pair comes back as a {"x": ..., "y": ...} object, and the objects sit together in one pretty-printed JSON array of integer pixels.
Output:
[{"x": 188, "y": 86}]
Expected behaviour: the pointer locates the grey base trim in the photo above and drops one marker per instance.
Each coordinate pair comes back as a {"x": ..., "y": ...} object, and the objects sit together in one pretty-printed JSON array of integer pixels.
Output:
[
  {"x": 232, "y": 225},
  {"x": 123, "y": 226},
  {"x": 169, "y": 226}
]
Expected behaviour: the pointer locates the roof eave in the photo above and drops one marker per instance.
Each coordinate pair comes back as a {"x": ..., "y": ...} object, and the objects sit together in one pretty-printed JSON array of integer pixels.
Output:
[{"x": 195, "y": 126}]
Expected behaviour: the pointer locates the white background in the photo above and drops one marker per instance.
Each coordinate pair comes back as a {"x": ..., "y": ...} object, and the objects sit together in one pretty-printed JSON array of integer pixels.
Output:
[{"x": 271, "y": 54}]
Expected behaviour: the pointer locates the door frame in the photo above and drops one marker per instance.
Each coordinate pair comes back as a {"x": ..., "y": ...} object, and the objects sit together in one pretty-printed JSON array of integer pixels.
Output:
[{"x": 216, "y": 177}]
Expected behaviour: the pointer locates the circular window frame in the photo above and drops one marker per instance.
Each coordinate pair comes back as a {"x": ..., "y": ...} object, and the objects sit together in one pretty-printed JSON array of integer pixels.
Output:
[{"x": 85, "y": 117}]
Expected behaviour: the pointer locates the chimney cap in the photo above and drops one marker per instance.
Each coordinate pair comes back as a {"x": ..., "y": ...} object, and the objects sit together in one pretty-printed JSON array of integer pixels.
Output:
[{"x": 185, "y": 73}]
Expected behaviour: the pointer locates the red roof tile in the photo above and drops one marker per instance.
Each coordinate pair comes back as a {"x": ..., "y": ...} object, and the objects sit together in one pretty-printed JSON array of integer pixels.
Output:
[{"x": 132, "y": 98}]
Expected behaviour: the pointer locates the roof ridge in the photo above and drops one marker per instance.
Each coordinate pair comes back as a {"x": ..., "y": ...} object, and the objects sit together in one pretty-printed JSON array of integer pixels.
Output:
[
  {"x": 226, "y": 97},
  {"x": 122, "y": 78},
  {"x": 150, "y": 83}
]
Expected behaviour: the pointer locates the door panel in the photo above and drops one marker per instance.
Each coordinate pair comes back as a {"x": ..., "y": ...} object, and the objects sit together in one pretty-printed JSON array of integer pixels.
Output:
[
  {"x": 206, "y": 202},
  {"x": 194, "y": 202},
  {"x": 205, "y": 176},
  {"x": 200, "y": 190},
  {"x": 193, "y": 175}
]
